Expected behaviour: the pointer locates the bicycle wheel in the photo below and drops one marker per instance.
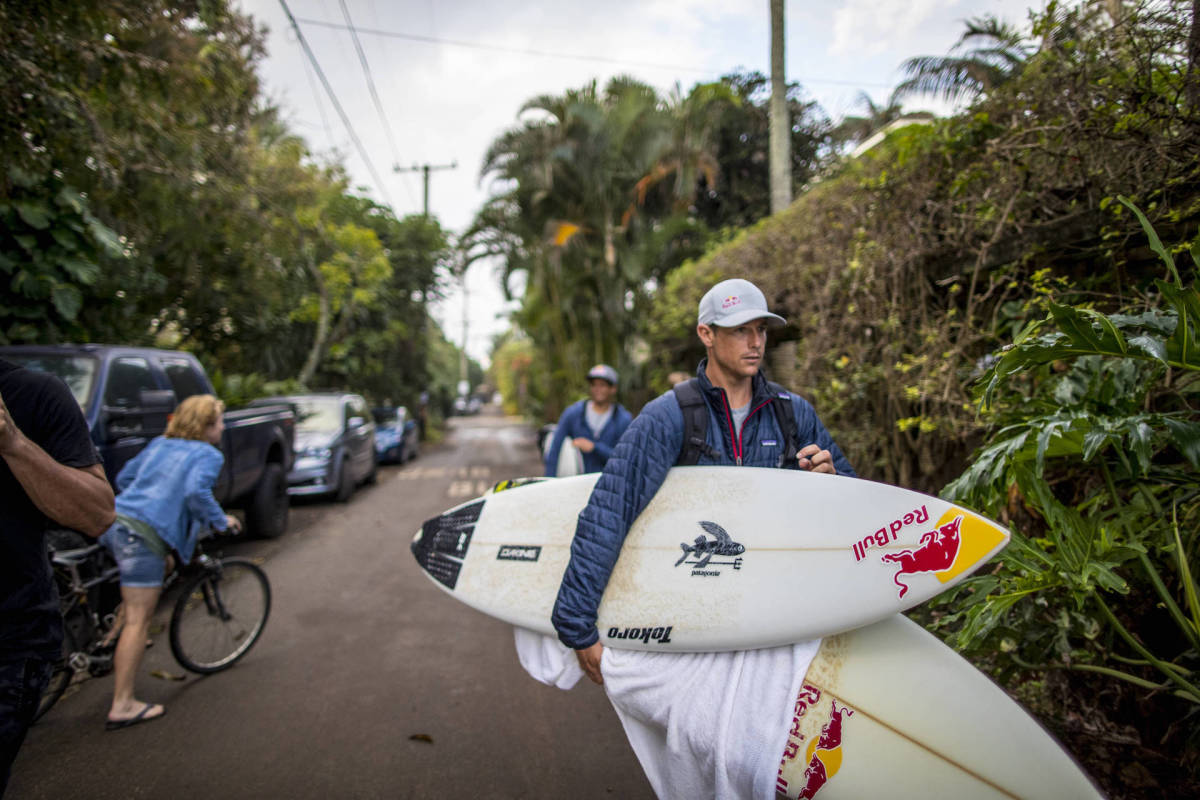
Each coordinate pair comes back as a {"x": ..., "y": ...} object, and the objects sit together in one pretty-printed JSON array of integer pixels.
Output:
[
  {"x": 62, "y": 676},
  {"x": 219, "y": 615}
]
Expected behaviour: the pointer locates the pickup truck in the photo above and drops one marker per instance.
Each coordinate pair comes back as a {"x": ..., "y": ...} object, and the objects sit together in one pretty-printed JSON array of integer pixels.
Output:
[{"x": 126, "y": 394}]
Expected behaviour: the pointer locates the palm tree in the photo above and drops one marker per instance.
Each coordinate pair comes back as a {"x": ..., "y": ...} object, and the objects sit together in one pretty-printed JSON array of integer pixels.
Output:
[
  {"x": 585, "y": 180},
  {"x": 856, "y": 129},
  {"x": 991, "y": 53}
]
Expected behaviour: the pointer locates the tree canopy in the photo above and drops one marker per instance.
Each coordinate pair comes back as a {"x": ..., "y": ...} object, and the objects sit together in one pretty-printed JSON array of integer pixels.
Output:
[{"x": 152, "y": 196}]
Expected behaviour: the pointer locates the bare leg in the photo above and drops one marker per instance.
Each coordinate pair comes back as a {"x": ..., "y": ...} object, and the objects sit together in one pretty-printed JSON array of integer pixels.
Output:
[
  {"x": 117, "y": 626},
  {"x": 139, "y": 603}
]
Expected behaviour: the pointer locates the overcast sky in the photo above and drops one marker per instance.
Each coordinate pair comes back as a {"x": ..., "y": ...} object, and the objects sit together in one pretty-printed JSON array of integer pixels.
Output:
[{"x": 450, "y": 76}]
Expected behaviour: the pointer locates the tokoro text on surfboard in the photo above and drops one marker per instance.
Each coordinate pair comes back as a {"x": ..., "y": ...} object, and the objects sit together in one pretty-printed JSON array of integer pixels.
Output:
[
  {"x": 887, "y": 533},
  {"x": 703, "y": 549},
  {"x": 660, "y": 634}
]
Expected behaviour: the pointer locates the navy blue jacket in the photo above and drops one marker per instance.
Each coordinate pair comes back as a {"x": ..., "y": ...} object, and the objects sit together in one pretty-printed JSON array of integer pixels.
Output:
[
  {"x": 573, "y": 423},
  {"x": 637, "y": 468}
]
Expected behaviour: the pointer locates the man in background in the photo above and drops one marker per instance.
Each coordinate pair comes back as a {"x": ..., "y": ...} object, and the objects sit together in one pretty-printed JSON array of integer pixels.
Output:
[
  {"x": 594, "y": 425},
  {"x": 50, "y": 475}
]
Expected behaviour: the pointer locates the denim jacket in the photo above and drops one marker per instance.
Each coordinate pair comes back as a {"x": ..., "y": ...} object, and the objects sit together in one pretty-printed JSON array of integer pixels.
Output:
[{"x": 169, "y": 486}]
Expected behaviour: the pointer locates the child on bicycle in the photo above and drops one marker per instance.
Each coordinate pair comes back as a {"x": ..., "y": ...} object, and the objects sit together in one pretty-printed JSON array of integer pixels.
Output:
[{"x": 165, "y": 502}]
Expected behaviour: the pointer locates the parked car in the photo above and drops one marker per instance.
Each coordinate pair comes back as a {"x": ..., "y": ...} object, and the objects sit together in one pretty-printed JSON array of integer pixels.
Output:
[
  {"x": 126, "y": 394},
  {"x": 335, "y": 443},
  {"x": 397, "y": 437}
]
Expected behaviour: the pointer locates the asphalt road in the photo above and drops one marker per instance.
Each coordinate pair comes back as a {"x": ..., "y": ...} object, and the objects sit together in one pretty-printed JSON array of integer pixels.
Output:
[{"x": 362, "y": 653}]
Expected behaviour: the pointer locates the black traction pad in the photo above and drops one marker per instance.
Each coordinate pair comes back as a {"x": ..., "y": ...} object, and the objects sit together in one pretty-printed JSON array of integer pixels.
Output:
[{"x": 443, "y": 543}]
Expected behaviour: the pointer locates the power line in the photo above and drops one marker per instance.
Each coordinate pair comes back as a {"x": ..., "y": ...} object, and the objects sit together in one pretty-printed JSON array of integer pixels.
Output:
[
  {"x": 362, "y": 152},
  {"x": 412, "y": 37},
  {"x": 312, "y": 85},
  {"x": 362, "y": 58}
]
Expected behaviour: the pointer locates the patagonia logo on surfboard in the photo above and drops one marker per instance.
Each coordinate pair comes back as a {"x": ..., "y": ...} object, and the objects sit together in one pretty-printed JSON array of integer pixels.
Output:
[
  {"x": 519, "y": 552},
  {"x": 702, "y": 550}
]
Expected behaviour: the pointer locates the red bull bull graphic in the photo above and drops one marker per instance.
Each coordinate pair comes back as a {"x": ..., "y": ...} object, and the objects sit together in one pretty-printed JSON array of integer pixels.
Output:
[
  {"x": 823, "y": 754},
  {"x": 956, "y": 545},
  {"x": 936, "y": 553}
]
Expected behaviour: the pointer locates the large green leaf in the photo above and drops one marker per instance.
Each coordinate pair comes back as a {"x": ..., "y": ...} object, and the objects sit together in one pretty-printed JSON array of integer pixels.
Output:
[
  {"x": 33, "y": 214},
  {"x": 67, "y": 300},
  {"x": 1185, "y": 435}
]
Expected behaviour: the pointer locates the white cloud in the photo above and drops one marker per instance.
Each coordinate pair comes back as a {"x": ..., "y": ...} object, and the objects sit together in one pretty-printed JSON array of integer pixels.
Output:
[{"x": 875, "y": 26}]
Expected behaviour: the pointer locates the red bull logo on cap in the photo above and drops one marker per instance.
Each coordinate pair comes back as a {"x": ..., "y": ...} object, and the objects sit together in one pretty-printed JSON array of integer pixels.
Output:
[
  {"x": 731, "y": 301},
  {"x": 823, "y": 753}
]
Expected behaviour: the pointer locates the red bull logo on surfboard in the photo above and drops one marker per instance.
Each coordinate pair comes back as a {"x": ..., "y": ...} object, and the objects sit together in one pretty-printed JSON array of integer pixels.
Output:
[
  {"x": 823, "y": 753},
  {"x": 957, "y": 543}
]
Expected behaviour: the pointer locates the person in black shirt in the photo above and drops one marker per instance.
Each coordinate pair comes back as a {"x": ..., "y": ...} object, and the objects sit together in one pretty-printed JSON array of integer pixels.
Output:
[{"x": 50, "y": 474}]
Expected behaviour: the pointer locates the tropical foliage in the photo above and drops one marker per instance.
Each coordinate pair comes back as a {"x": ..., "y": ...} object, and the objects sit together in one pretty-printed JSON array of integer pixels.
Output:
[
  {"x": 905, "y": 272},
  {"x": 151, "y": 196},
  {"x": 1095, "y": 462},
  {"x": 601, "y": 192}
]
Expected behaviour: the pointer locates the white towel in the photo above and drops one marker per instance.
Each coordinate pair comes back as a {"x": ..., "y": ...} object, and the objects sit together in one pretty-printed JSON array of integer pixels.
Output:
[{"x": 701, "y": 724}]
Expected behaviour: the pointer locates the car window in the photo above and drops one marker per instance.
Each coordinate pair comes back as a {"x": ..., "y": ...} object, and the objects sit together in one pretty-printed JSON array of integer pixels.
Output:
[
  {"x": 183, "y": 378},
  {"x": 78, "y": 372},
  {"x": 126, "y": 380},
  {"x": 318, "y": 414}
]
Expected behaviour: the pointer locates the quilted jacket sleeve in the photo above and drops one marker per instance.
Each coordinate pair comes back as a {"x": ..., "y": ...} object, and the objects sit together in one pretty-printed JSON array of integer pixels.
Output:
[
  {"x": 631, "y": 478},
  {"x": 812, "y": 431}
]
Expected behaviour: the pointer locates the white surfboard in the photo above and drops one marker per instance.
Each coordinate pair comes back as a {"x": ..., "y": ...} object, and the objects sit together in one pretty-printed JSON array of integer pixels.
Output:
[
  {"x": 570, "y": 460},
  {"x": 723, "y": 558},
  {"x": 889, "y": 711}
]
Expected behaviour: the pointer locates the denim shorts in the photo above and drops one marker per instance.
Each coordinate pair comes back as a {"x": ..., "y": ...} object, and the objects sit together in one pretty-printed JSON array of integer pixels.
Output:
[{"x": 140, "y": 566}]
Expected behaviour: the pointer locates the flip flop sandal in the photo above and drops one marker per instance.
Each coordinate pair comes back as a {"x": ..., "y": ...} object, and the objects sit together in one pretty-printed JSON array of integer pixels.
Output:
[{"x": 140, "y": 717}]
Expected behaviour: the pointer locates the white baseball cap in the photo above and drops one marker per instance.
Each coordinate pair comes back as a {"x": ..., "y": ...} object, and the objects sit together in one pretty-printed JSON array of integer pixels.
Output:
[
  {"x": 735, "y": 302},
  {"x": 604, "y": 372}
]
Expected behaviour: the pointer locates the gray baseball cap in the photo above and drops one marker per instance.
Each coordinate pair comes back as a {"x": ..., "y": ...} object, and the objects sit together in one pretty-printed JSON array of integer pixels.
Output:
[
  {"x": 604, "y": 372},
  {"x": 735, "y": 302}
]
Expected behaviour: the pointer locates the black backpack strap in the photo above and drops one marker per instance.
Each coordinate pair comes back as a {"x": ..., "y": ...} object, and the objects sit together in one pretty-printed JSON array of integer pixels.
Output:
[
  {"x": 781, "y": 401},
  {"x": 695, "y": 423}
]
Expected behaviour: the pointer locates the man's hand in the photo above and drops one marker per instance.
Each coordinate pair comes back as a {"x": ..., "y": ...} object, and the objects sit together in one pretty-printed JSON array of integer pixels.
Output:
[
  {"x": 8, "y": 431},
  {"x": 589, "y": 660},
  {"x": 232, "y": 524},
  {"x": 583, "y": 445},
  {"x": 813, "y": 458},
  {"x": 79, "y": 498}
]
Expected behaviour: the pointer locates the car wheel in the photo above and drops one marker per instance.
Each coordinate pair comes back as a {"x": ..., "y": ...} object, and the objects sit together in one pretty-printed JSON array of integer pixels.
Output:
[
  {"x": 345, "y": 483},
  {"x": 373, "y": 475},
  {"x": 267, "y": 513}
]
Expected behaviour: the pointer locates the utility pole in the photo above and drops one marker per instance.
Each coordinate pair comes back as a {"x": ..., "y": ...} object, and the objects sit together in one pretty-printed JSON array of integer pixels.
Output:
[
  {"x": 425, "y": 169},
  {"x": 780, "y": 162}
]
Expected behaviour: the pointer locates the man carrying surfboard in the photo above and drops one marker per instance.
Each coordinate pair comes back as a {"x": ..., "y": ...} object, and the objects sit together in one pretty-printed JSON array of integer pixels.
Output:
[
  {"x": 594, "y": 425},
  {"x": 729, "y": 414}
]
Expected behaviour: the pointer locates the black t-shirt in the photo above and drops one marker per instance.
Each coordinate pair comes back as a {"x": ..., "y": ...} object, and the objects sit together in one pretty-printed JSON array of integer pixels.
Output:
[{"x": 44, "y": 409}]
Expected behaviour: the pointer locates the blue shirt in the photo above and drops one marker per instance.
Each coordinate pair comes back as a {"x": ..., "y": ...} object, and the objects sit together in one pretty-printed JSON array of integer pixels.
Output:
[{"x": 169, "y": 487}]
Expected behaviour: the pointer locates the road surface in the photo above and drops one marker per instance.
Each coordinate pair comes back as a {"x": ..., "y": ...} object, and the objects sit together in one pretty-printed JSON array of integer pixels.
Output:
[{"x": 368, "y": 681}]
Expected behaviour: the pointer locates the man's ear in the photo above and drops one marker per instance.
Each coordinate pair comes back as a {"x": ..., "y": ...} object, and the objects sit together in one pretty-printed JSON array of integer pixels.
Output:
[{"x": 706, "y": 334}]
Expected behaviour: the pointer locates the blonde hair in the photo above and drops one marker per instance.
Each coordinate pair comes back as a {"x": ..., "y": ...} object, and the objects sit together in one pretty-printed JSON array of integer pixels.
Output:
[{"x": 193, "y": 416}]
